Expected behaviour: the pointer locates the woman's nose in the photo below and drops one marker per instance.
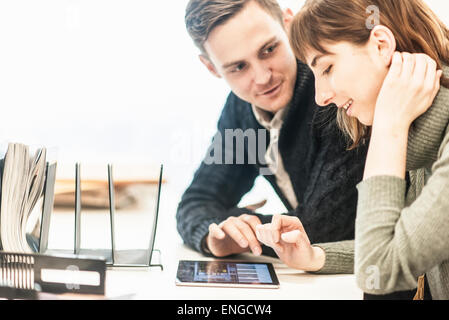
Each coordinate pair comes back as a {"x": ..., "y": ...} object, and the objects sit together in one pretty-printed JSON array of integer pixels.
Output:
[{"x": 324, "y": 98}]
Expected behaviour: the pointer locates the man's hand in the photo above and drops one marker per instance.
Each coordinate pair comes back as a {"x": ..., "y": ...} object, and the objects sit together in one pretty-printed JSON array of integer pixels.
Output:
[
  {"x": 234, "y": 235},
  {"x": 286, "y": 235}
]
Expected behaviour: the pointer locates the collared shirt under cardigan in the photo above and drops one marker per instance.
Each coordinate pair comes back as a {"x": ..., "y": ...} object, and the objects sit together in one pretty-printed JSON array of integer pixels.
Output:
[{"x": 273, "y": 158}]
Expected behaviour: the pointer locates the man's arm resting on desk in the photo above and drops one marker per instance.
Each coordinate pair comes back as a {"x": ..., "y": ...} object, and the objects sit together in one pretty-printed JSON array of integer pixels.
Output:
[{"x": 217, "y": 186}]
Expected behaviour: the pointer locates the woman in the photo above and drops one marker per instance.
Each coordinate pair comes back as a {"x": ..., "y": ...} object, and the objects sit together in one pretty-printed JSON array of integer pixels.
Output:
[{"x": 381, "y": 62}]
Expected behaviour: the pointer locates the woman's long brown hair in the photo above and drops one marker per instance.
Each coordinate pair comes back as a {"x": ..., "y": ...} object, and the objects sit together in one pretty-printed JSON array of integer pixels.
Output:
[{"x": 416, "y": 27}]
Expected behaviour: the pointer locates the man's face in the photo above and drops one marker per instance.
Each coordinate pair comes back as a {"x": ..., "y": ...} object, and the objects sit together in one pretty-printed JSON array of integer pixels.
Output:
[{"x": 252, "y": 53}]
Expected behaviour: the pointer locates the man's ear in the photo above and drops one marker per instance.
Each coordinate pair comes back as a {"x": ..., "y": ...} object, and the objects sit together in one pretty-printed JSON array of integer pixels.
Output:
[
  {"x": 384, "y": 42},
  {"x": 209, "y": 65},
  {"x": 288, "y": 18}
]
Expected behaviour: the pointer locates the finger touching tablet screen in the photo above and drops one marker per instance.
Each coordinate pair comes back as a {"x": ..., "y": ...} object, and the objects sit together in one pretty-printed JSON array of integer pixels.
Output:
[{"x": 226, "y": 274}]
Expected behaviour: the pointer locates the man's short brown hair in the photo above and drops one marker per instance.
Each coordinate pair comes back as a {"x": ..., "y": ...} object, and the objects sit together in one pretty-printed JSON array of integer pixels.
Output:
[{"x": 202, "y": 16}]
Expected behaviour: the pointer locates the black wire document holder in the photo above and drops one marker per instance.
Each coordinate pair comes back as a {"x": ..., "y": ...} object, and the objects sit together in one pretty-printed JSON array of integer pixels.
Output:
[
  {"x": 26, "y": 275},
  {"x": 114, "y": 257}
]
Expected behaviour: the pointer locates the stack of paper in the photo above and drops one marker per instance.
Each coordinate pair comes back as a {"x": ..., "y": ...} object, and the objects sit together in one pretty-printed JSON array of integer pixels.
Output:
[{"x": 22, "y": 186}]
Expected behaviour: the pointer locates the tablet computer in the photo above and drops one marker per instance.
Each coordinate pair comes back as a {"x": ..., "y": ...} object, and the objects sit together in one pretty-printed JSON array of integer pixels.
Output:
[{"x": 218, "y": 273}]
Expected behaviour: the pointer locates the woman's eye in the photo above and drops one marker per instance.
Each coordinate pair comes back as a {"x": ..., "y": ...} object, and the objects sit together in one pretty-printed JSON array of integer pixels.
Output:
[{"x": 328, "y": 70}]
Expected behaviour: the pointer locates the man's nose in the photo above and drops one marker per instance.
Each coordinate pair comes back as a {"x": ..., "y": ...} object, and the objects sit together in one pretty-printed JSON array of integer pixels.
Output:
[{"x": 262, "y": 74}]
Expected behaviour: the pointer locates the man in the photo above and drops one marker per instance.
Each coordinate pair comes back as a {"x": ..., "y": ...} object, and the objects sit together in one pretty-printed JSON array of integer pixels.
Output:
[{"x": 304, "y": 156}]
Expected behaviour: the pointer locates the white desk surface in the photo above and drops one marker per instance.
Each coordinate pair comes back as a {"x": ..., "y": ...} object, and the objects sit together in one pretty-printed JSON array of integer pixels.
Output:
[
  {"x": 295, "y": 285},
  {"x": 152, "y": 283}
]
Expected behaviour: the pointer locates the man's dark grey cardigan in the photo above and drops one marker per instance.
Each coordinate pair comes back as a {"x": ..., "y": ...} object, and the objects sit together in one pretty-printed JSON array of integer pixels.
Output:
[{"x": 323, "y": 173}]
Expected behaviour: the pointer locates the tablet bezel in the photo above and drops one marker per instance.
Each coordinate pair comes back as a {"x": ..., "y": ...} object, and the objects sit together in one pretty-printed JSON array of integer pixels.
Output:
[{"x": 274, "y": 285}]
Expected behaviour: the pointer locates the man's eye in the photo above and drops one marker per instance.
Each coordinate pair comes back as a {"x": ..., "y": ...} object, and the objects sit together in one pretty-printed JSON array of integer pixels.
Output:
[
  {"x": 238, "y": 67},
  {"x": 328, "y": 70},
  {"x": 270, "y": 49}
]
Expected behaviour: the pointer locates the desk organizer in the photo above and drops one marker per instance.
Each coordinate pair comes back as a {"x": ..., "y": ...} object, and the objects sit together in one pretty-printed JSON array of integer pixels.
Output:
[
  {"x": 113, "y": 257},
  {"x": 24, "y": 275}
]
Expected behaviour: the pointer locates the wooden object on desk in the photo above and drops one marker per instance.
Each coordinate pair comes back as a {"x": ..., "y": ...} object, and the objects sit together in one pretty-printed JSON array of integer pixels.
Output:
[
  {"x": 94, "y": 194},
  {"x": 132, "y": 183}
]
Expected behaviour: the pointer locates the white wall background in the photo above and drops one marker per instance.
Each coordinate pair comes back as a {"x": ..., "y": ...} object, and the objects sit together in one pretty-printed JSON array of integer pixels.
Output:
[{"x": 110, "y": 81}]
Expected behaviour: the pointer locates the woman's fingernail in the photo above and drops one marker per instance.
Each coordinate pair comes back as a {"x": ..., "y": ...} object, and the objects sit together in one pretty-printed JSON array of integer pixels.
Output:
[{"x": 243, "y": 243}]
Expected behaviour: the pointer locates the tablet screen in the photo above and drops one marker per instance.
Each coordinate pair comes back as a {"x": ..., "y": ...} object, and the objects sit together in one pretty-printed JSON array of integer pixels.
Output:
[{"x": 226, "y": 273}]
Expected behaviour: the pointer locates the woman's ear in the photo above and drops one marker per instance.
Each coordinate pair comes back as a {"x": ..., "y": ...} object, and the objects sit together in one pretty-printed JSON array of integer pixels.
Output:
[
  {"x": 384, "y": 43},
  {"x": 288, "y": 18}
]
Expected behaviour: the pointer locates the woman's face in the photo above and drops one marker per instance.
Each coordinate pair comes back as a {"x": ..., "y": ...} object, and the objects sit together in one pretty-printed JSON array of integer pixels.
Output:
[{"x": 350, "y": 77}]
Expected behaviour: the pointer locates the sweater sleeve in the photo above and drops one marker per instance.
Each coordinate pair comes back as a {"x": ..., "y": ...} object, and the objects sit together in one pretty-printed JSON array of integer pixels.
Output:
[
  {"x": 217, "y": 187},
  {"x": 396, "y": 244},
  {"x": 339, "y": 257}
]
